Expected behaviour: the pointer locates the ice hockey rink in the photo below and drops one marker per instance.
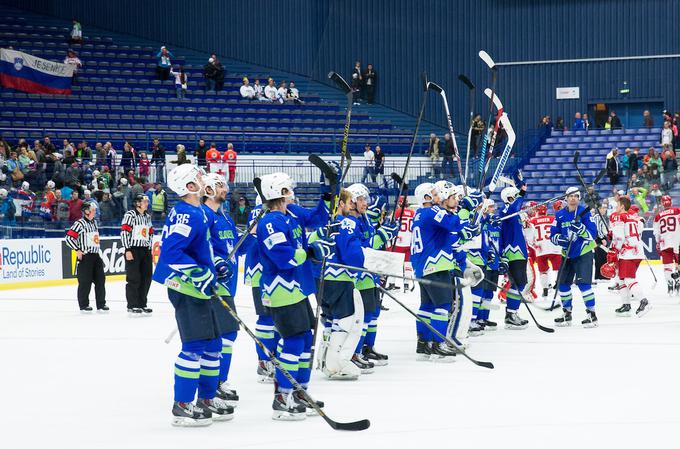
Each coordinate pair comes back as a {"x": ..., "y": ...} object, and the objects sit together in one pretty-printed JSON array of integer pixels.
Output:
[{"x": 105, "y": 381}]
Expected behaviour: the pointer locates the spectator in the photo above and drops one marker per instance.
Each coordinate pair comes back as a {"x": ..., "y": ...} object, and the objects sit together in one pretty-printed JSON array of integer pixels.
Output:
[
  {"x": 111, "y": 156},
  {"x": 181, "y": 155},
  {"x": 63, "y": 206},
  {"x": 654, "y": 164},
  {"x": 83, "y": 152},
  {"x": 144, "y": 165},
  {"x": 241, "y": 212},
  {"x": 50, "y": 200},
  {"x": 163, "y": 64},
  {"x": 158, "y": 157},
  {"x": 433, "y": 153},
  {"x": 74, "y": 176},
  {"x": 270, "y": 90},
  {"x": 105, "y": 179},
  {"x": 578, "y": 123},
  {"x": 587, "y": 124},
  {"x": 108, "y": 208},
  {"x": 200, "y": 152},
  {"x": 478, "y": 128},
  {"x": 647, "y": 120},
  {"x": 616, "y": 121},
  {"x": 666, "y": 134},
  {"x": 74, "y": 207},
  {"x": 87, "y": 196},
  {"x": 72, "y": 59},
  {"x": 247, "y": 91},
  {"x": 369, "y": 163},
  {"x": 122, "y": 196},
  {"x": 612, "y": 166},
  {"x": 219, "y": 73},
  {"x": 449, "y": 152},
  {"x": 49, "y": 146},
  {"x": 159, "y": 203},
  {"x": 127, "y": 160},
  {"x": 181, "y": 82},
  {"x": 639, "y": 196},
  {"x": 137, "y": 188},
  {"x": 293, "y": 93},
  {"x": 100, "y": 154},
  {"x": 259, "y": 91},
  {"x": 608, "y": 123},
  {"x": 54, "y": 209},
  {"x": 7, "y": 208},
  {"x": 76, "y": 35},
  {"x": 613, "y": 201},
  {"x": 67, "y": 146},
  {"x": 282, "y": 93},
  {"x": 210, "y": 75},
  {"x": 559, "y": 124},
  {"x": 370, "y": 80},
  {"x": 357, "y": 81},
  {"x": 230, "y": 158},
  {"x": 635, "y": 181},
  {"x": 379, "y": 166}
]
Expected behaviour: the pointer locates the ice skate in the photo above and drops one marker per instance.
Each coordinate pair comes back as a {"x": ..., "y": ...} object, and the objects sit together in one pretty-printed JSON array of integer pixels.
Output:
[
  {"x": 186, "y": 414},
  {"x": 423, "y": 351},
  {"x": 227, "y": 394},
  {"x": 565, "y": 320},
  {"x": 147, "y": 311},
  {"x": 301, "y": 400},
  {"x": 475, "y": 329},
  {"x": 220, "y": 410},
  {"x": 623, "y": 311},
  {"x": 86, "y": 310},
  {"x": 364, "y": 365},
  {"x": 440, "y": 353},
  {"x": 103, "y": 309},
  {"x": 488, "y": 325},
  {"x": 677, "y": 287},
  {"x": 374, "y": 357},
  {"x": 591, "y": 321},
  {"x": 514, "y": 322},
  {"x": 643, "y": 308},
  {"x": 135, "y": 312},
  {"x": 286, "y": 409}
]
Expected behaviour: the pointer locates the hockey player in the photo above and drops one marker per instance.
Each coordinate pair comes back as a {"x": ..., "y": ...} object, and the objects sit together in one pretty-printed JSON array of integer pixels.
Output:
[
  {"x": 404, "y": 216},
  {"x": 577, "y": 238},
  {"x": 223, "y": 238},
  {"x": 627, "y": 248},
  {"x": 491, "y": 231},
  {"x": 282, "y": 253},
  {"x": 513, "y": 251},
  {"x": 547, "y": 254},
  {"x": 667, "y": 236},
  {"x": 432, "y": 258},
  {"x": 186, "y": 268}
]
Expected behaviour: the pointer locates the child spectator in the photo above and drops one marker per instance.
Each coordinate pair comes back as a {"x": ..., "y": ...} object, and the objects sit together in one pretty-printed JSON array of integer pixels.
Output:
[
  {"x": 181, "y": 81},
  {"x": 144, "y": 165}
]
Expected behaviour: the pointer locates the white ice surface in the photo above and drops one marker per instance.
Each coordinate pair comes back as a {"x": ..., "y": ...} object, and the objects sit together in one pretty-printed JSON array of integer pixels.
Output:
[{"x": 105, "y": 381}]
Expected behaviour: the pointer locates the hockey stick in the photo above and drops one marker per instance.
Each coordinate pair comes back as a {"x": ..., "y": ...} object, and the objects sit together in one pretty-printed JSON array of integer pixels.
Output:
[
  {"x": 471, "y": 87},
  {"x": 446, "y": 338},
  {"x": 437, "y": 88},
  {"x": 506, "y": 152},
  {"x": 485, "y": 139},
  {"x": 549, "y": 330},
  {"x": 352, "y": 426},
  {"x": 344, "y": 154},
  {"x": 491, "y": 141},
  {"x": 542, "y": 203}
]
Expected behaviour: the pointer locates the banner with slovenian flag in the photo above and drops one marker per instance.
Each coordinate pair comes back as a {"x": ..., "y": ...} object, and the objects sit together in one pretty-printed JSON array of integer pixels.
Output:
[{"x": 27, "y": 73}]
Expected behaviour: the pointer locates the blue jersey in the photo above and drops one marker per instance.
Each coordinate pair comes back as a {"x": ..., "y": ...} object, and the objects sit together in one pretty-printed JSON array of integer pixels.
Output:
[
  {"x": 349, "y": 242},
  {"x": 185, "y": 248},
  {"x": 582, "y": 243},
  {"x": 282, "y": 254},
  {"x": 369, "y": 239},
  {"x": 253, "y": 267},
  {"x": 223, "y": 238},
  {"x": 512, "y": 243},
  {"x": 309, "y": 219},
  {"x": 492, "y": 235},
  {"x": 431, "y": 243}
]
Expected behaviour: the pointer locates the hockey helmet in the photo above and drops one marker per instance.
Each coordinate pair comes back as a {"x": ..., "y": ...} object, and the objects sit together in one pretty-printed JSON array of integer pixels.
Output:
[
  {"x": 424, "y": 193},
  {"x": 180, "y": 177},
  {"x": 273, "y": 185},
  {"x": 666, "y": 201},
  {"x": 50, "y": 184},
  {"x": 634, "y": 209},
  {"x": 212, "y": 180},
  {"x": 509, "y": 194},
  {"x": 445, "y": 189},
  {"x": 608, "y": 270},
  {"x": 3, "y": 193},
  {"x": 573, "y": 191},
  {"x": 558, "y": 205}
]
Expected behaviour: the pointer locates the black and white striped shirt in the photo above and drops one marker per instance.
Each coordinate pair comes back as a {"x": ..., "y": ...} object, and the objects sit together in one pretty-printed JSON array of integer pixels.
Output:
[
  {"x": 83, "y": 236},
  {"x": 136, "y": 230}
]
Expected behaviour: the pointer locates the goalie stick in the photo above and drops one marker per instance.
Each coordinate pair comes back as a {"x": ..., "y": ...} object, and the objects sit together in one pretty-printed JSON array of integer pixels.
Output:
[
  {"x": 344, "y": 154},
  {"x": 437, "y": 88},
  {"x": 471, "y": 88}
]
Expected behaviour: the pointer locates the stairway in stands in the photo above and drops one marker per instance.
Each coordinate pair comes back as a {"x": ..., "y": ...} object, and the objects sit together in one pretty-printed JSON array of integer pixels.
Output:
[
  {"x": 118, "y": 95},
  {"x": 550, "y": 171}
]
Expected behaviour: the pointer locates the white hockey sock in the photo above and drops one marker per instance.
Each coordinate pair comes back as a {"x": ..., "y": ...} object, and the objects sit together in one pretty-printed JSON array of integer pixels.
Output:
[{"x": 635, "y": 289}]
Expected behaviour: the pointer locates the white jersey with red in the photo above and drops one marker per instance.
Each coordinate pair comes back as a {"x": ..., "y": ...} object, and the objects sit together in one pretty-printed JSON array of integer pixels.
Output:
[
  {"x": 626, "y": 232},
  {"x": 667, "y": 229},
  {"x": 403, "y": 242},
  {"x": 542, "y": 244}
]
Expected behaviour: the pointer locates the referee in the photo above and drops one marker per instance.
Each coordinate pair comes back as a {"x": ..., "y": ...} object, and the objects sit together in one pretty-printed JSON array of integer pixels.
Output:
[
  {"x": 136, "y": 234},
  {"x": 83, "y": 238}
]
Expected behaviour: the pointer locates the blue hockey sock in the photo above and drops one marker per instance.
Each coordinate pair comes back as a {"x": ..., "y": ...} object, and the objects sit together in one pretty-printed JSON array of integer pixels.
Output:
[
  {"x": 440, "y": 321},
  {"x": 364, "y": 331},
  {"x": 210, "y": 369},
  {"x": 225, "y": 362},
  {"x": 264, "y": 331},
  {"x": 477, "y": 295},
  {"x": 288, "y": 354},
  {"x": 188, "y": 370},
  {"x": 425, "y": 312},
  {"x": 372, "y": 331},
  {"x": 565, "y": 296},
  {"x": 305, "y": 367},
  {"x": 514, "y": 299},
  {"x": 588, "y": 295}
]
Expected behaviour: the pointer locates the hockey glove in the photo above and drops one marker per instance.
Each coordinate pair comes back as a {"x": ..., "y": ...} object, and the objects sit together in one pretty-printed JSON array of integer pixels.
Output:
[
  {"x": 578, "y": 228},
  {"x": 612, "y": 256},
  {"x": 203, "y": 280},
  {"x": 322, "y": 248},
  {"x": 503, "y": 266},
  {"x": 469, "y": 231},
  {"x": 223, "y": 268},
  {"x": 388, "y": 230},
  {"x": 375, "y": 209},
  {"x": 329, "y": 231},
  {"x": 518, "y": 177},
  {"x": 559, "y": 240},
  {"x": 471, "y": 201},
  {"x": 491, "y": 257}
]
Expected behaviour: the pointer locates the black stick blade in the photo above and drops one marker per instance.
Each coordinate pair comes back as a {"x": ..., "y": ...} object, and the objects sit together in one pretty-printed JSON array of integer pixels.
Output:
[
  {"x": 466, "y": 81},
  {"x": 339, "y": 81},
  {"x": 258, "y": 187},
  {"x": 576, "y": 155},
  {"x": 355, "y": 426},
  {"x": 396, "y": 178},
  {"x": 488, "y": 365}
]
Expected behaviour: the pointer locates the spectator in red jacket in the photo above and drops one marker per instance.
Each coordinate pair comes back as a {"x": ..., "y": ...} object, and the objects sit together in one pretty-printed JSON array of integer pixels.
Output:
[
  {"x": 74, "y": 207},
  {"x": 230, "y": 159}
]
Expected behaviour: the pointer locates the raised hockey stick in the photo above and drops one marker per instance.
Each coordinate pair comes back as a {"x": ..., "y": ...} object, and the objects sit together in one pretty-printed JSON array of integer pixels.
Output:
[
  {"x": 491, "y": 140},
  {"x": 437, "y": 88},
  {"x": 471, "y": 87},
  {"x": 362, "y": 424},
  {"x": 485, "y": 139},
  {"x": 446, "y": 338},
  {"x": 345, "y": 156},
  {"x": 506, "y": 151}
]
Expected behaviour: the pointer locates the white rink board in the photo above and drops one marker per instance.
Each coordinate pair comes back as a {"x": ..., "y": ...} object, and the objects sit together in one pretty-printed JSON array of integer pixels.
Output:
[
  {"x": 105, "y": 381},
  {"x": 32, "y": 260}
]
